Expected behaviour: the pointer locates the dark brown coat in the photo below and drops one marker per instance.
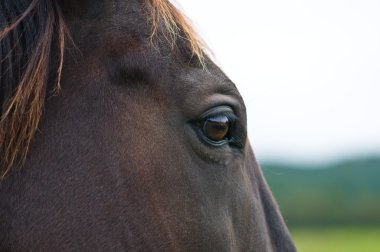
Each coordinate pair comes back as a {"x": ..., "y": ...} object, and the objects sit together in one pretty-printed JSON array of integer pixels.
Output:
[{"x": 120, "y": 161}]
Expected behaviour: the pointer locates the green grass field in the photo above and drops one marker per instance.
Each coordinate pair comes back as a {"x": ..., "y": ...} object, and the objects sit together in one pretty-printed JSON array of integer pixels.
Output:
[{"x": 337, "y": 239}]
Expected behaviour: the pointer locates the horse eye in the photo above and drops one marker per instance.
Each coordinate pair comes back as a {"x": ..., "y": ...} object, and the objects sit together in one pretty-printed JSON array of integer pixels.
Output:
[{"x": 216, "y": 128}]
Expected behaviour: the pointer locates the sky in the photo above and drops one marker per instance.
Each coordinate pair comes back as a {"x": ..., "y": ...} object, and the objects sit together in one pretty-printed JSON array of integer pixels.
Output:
[{"x": 309, "y": 72}]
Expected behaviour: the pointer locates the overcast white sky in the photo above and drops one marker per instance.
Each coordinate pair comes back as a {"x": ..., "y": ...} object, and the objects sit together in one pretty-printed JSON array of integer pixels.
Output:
[{"x": 309, "y": 72}]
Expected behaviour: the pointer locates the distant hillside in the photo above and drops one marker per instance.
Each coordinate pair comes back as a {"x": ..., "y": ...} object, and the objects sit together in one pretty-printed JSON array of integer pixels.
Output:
[{"x": 343, "y": 193}]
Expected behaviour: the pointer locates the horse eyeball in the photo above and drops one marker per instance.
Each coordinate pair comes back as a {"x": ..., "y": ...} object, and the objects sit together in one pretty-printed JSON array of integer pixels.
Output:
[{"x": 216, "y": 128}]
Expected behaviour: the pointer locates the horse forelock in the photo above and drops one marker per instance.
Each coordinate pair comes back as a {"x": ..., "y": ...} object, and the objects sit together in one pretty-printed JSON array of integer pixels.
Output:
[
  {"x": 29, "y": 29},
  {"x": 176, "y": 26}
]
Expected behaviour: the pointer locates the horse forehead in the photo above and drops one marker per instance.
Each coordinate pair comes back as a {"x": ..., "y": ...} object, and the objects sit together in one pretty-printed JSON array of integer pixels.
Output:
[
  {"x": 95, "y": 22},
  {"x": 121, "y": 38},
  {"x": 96, "y": 9},
  {"x": 110, "y": 35}
]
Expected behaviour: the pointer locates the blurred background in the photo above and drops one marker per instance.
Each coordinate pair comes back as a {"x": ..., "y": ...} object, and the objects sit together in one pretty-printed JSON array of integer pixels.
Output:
[{"x": 309, "y": 72}]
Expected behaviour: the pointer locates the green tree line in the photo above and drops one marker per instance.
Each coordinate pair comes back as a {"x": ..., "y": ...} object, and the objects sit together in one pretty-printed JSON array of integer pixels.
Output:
[{"x": 347, "y": 192}]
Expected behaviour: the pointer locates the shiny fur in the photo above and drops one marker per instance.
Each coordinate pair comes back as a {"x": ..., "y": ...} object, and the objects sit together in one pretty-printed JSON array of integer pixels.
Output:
[{"x": 117, "y": 165}]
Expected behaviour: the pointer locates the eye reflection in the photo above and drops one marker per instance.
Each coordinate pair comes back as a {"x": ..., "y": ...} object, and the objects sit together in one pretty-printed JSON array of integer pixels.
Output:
[{"x": 216, "y": 128}]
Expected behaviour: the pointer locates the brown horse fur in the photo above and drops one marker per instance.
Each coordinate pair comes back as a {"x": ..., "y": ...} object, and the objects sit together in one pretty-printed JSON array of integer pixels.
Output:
[
  {"x": 25, "y": 90},
  {"x": 119, "y": 161},
  {"x": 25, "y": 70}
]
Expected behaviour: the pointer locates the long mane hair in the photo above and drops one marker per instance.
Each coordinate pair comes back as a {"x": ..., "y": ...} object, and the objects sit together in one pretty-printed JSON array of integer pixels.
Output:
[
  {"x": 32, "y": 40},
  {"x": 28, "y": 31}
]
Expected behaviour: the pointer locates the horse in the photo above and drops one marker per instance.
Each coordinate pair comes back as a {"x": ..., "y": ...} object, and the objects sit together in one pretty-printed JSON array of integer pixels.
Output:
[{"x": 119, "y": 133}]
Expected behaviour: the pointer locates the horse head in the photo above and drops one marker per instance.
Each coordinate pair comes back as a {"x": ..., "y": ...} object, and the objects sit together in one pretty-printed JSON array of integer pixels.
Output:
[{"x": 144, "y": 147}]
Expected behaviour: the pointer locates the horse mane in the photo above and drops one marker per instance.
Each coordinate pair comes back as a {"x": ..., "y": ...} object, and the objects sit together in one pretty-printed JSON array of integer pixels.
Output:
[
  {"x": 29, "y": 28},
  {"x": 31, "y": 33}
]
